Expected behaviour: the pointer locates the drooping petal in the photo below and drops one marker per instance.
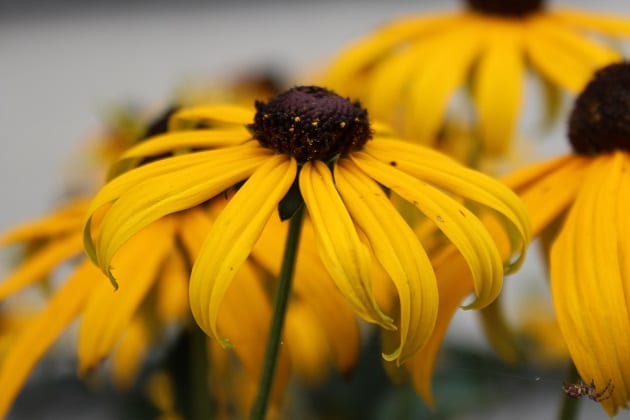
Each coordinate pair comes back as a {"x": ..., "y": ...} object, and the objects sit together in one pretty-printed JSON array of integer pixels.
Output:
[
  {"x": 574, "y": 59},
  {"x": 67, "y": 219},
  {"x": 168, "y": 193},
  {"x": 498, "y": 87},
  {"x": 39, "y": 265},
  {"x": 440, "y": 75},
  {"x": 548, "y": 189},
  {"x": 587, "y": 283},
  {"x": 344, "y": 255},
  {"x": 130, "y": 353},
  {"x": 245, "y": 317},
  {"x": 109, "y": 311},
  {"x": 398, "y": 250},
  {"x": 459, "y": 225},
  {"x": 177, "y": 140},
  {"x": 360, "y": 55},
  {"x": 211, "y": 114},
  {"x": 314, "y": 286},
  {"x": 454, "y": 284},
  {"x": 434, "y": 168},
  {"x": 586, "y": 50},
  {"x": 233, "y": 235},
  {"x": 308, "y": 345},
  {"x": 613, "y": 25},
  {"x": 36, "y": 338},
  {"x": 171, "y": 292}
]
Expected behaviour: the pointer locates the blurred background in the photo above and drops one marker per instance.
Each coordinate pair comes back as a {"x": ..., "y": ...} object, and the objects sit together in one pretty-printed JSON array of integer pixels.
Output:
[{"x": 65, "y": 64}]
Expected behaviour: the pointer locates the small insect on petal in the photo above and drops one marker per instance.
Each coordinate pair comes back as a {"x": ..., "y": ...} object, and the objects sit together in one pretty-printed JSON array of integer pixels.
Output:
[{"x": 581, "y": 389}]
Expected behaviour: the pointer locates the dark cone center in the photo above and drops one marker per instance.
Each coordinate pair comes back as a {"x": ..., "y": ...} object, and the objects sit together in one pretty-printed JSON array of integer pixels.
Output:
[
  {"x": 507, "y": 8},
  {"x": 600, "y": 120},
  {"x": 309, "y": 122}
]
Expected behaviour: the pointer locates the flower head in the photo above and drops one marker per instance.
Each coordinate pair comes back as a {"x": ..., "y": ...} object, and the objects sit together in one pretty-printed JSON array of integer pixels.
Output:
[
  {"x": 310, "y": 145},
  {"x": 585, "y": 194},
  {"x": 408, "y": 71}
]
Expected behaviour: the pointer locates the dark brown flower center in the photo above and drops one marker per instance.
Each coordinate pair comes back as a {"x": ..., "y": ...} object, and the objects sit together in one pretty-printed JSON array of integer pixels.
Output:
[
  {"x": 600, "y": 120},
  {"x": 309, "y": 122},
  {"x": 507, "y": 8}
]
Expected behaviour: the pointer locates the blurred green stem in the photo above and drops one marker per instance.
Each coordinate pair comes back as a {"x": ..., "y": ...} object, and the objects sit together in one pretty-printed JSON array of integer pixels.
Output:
[
  {"x": 569, "y": 406},
  {"x": 199, "y": 375},
  {"x": 281, "y": 301}
]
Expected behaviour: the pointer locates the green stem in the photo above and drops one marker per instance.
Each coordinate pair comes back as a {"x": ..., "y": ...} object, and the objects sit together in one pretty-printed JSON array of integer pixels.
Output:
[
  {"x": 201, "y": 406},
  {"x": 277, "y": 321},
  {"x": 569, "y": 407}
]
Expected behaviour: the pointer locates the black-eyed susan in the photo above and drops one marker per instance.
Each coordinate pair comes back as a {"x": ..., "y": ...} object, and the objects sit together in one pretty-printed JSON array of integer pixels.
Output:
[
  {"x": 584, "y": 194},
  {"x": 310, "y": 144},
  {"x": 152, "y": 301},
  {"x": 577, "y": 203},
  {"x": 407, "y": 71}
]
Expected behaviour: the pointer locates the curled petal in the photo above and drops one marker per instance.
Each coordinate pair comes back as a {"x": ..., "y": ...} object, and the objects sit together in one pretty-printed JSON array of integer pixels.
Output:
[
  {"x": 398, "y": 250},
  {"x": 589, "y": 283},
  {"x": 344, "y": 255},
  {"x": 171, "y": 191},
  {"x": 233, "y": 236},
  {"x": 459, "y": 225}
]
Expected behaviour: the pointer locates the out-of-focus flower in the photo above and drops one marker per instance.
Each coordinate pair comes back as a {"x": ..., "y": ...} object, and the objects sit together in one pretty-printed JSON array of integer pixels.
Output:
[
  {"x": 310, "y": 144},
  {"x": 407, "y": 71}
]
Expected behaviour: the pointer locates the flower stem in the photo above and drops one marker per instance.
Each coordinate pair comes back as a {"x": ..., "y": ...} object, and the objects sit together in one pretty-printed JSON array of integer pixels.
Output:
[
  {"x": 569, "y": 407},
  {"x": 259, "y": 409}
]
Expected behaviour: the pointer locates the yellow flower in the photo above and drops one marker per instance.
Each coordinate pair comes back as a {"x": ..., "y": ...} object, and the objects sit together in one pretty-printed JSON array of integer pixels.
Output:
[
  {"x": 407, "y": 71},
  {"x": 153, "y": 298},
  {"x": 309, "y": 143},
  {"x": 586, "y": 194},
  {"x": 579, "y": 202}
]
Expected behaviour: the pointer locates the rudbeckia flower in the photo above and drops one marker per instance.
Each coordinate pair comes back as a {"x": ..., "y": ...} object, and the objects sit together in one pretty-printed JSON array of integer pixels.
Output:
[
  {"x": 310, "y": 144},
  {"x": 152, "y": 300},
  {"x": 584, "y": 194},
  {"x": 577, "y": 203},
  {"x": 408, "y": 70}
]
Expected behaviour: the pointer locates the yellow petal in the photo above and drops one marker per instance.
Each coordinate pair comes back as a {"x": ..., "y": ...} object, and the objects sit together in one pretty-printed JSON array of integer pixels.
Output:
[
  {"x": 361, "y": 54},
  {"x": 233, "y": 235},
  {"x": 459, "y": 225},
  {"x": 314, "y": 286},
  {"x": 608, "y": 24},
  {"x": 39, "y": 265},
  {"x": 245, "y": 317},
  {"x": 172, "y": 290},
  {"x": 441, "y": 74},
  {"x": 587, "y": 284},
  {"x": 307, "y": 342},
  {"x": 344, "y": 255},
  {"x": 108, "y": 312},
  {"x": 206, "y": 139},
  {"x": 131, "y": 353},
  {"x": 574, "y": 43},
  {"x": 398, "y": 250},
  {"x": 498, "y": 89},
  {"x": 221, "y": 114},
  {"x": 435, "y": 169},
  {"x": 169, "y": 193},
  {"x": 36, "y": 337},
  {"x": 454, "y": 284},
  {"x": 571, "y": 67},
  {"x": 65, "y": 220},
  {"x": 547, "y": 196}
]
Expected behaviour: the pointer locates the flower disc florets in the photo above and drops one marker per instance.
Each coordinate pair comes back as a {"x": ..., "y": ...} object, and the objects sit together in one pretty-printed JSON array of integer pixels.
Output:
[
  {"x": 510, "y": 8},
  {"x": 600, "y": 120},
  {"x": 309, "y": 122}
]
